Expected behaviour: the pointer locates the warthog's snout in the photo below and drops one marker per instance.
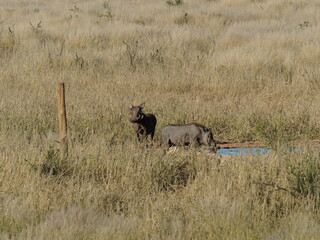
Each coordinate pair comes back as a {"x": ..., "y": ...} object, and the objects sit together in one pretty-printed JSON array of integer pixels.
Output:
[
  {"x": 210, "y": 141},
  {"x": 136, "y": 117},
  {"x": 136, "y": 113}
]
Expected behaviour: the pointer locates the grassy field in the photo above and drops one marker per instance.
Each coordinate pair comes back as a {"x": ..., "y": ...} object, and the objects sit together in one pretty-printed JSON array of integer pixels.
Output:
[{"x": 247, "y": 69}]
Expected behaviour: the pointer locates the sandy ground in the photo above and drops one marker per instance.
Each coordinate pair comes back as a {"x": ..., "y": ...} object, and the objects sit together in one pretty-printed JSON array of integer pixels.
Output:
[
  {"x": 298, "y": 144},
  {"x": 240, "y": 144}
]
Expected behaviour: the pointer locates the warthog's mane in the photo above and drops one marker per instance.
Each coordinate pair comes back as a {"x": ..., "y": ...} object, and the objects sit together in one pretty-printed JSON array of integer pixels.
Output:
[{"x": 188, "y": 124}]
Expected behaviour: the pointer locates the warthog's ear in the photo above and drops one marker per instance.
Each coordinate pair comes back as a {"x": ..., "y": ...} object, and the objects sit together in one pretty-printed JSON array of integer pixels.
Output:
[
  {"x": 130, "y": 107},
  {"x": 141, "y": 105}
]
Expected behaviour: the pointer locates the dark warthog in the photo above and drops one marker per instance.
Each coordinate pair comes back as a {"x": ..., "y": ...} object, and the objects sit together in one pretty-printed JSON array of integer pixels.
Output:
[
  {"x": 144, "y": 124},
  {"x": 187, "y": 134}
]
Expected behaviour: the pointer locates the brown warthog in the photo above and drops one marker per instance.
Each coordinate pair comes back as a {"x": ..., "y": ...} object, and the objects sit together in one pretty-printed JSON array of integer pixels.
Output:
[
  {"x": 187, "y": 134},
  {"x": 144, "y": 124}
]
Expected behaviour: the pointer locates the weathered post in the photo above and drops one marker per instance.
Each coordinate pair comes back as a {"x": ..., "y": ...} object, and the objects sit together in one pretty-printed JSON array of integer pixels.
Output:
[{"x": 62, "y": 120}]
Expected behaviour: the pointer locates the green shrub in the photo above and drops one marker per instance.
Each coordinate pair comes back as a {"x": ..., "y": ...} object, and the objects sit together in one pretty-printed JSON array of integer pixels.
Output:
[
  {"x": 278, "y": 130},
  {"x": 52, "y": 165},
  {"x": 170, "y": 174},
  {"x": 304, "y": 174}
]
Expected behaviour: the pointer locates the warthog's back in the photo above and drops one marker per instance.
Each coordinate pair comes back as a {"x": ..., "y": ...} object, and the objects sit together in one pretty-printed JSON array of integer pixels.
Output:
[
  {"x": 151, "y": 118},
  {"x": 173, "y": 129}
]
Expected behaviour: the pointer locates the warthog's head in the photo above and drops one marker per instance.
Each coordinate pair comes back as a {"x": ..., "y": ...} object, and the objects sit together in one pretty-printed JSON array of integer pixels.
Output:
[
  {"x": 207, "y": 138},
  {"x": 136, "y": 113}
]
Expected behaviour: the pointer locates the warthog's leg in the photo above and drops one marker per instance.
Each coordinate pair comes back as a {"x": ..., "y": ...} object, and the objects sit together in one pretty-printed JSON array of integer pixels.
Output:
[
  {"x": 138, "y": 130},
  {"x": 197, "y": 143},
  {"x": 152, "y": 135},
  {"x": 145, "y": 135},
  {"x": 138, "y": 136}
]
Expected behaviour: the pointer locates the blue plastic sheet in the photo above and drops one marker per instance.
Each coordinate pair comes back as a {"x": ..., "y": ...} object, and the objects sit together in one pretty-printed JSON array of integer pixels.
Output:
[{"x": 243, "y": 151}]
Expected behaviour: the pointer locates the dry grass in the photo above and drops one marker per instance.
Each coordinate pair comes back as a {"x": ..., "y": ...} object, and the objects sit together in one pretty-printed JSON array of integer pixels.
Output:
[{"x": 247, "y": 69}]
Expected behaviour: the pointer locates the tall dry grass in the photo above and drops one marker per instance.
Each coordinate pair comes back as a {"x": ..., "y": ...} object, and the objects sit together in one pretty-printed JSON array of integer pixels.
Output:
[{"x": 246, "y": 69}]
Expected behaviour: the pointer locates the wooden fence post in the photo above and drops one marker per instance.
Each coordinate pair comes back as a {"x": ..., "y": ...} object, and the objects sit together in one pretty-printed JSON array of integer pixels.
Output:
[{"x": 62, "y": 120}]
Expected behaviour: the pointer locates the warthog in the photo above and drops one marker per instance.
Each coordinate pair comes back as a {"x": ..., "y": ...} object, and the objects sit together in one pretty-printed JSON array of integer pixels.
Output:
[
  {"x": 144, "y": 124},
  {"x": 187, "y": 134}
]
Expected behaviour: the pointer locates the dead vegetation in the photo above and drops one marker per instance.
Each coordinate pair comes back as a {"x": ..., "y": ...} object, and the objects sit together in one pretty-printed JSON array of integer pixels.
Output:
[{"x": 249, "y": 70}]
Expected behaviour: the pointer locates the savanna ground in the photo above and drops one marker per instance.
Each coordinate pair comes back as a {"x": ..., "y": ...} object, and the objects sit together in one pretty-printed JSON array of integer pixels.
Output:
[{"x": 247, "y": 69}]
